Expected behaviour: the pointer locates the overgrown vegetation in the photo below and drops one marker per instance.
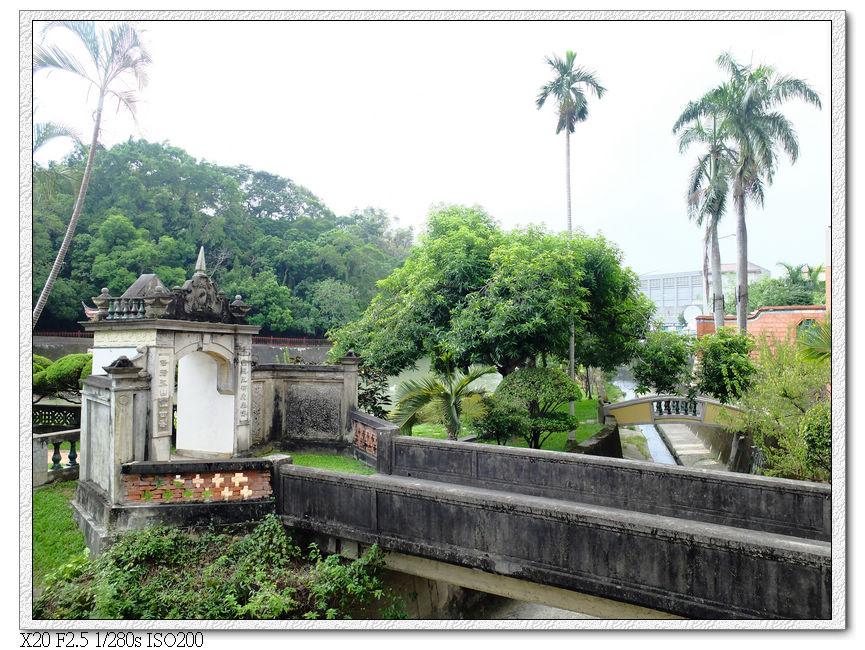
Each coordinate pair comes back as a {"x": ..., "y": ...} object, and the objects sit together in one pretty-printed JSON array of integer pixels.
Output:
[
  {"x": 528, "y": 403},
  {"x": 788, "y": 411},
  {"x": 166, "y": 573}
]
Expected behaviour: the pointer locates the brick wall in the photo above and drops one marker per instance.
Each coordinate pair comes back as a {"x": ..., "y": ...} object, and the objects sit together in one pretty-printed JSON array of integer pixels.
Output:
[
  {"x": 199, "y": 487},
  {"x": 775, "y": 323}
]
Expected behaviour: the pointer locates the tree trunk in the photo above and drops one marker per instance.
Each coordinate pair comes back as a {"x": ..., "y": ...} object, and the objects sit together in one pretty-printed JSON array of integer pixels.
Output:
[
  {"x": 73, "y": 222},
  {"x": 572, "y": 433},
  {"x": 741, "y": 267},
  {"x": 717, "y": 281},
  {"x": 706, "y": 240}
]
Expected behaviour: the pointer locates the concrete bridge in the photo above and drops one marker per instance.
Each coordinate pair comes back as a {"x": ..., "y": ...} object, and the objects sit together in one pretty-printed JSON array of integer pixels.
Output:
[
  {"x": 661, "y": 409},
  {"x": 689, "y": 542}
]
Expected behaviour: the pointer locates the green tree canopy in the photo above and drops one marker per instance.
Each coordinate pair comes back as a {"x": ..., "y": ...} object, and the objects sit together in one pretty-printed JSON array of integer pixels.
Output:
[
  {"x": 149, "y": 208},
  {"x": 500, "y": 299},
  {"x": 724, "y": 369},
  {"x": 663, "y": 363}
]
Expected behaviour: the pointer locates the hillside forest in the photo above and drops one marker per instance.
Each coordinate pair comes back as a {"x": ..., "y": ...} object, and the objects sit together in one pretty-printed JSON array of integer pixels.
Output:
[{"x": 150, "y": 207}]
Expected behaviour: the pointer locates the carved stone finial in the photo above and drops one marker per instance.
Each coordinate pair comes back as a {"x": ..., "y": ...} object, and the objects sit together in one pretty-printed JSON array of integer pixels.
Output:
[{"x": 200, "y": 266}]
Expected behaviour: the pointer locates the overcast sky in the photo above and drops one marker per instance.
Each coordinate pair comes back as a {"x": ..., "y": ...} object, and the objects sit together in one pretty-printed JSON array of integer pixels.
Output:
[{"x": 403, "y": 115}]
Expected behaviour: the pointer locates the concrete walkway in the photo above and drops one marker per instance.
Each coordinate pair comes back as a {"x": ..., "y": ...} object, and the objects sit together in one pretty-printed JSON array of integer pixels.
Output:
[{"x": 687, "y": 448}]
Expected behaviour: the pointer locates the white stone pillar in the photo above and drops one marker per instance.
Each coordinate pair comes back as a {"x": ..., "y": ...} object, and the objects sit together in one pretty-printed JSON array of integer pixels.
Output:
[
  {"x": 163, "y": 362},
  {"x": 243, "y": 392}
]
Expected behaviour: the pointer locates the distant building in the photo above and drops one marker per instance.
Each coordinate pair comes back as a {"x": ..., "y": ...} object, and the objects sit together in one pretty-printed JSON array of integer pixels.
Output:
[{"x": 673, "y": 292}]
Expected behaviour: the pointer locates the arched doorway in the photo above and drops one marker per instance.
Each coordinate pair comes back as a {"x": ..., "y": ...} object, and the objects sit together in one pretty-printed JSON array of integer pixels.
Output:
[{"x": 205, "y": 415}]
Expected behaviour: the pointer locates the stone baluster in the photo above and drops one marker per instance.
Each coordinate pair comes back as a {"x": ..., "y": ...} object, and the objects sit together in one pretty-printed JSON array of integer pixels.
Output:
[
  {"x": 73, "y": 457},
  {"x": 55, "y": 457}
]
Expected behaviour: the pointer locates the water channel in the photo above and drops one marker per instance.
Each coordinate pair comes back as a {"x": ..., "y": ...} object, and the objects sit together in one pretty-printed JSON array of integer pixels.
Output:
[{"x": 657, "y": 448}]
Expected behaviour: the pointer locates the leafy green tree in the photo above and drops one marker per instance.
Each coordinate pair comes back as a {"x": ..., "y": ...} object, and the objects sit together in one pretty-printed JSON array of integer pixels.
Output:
[
  {"x": 411, "y": 315},
  {"x": 663, "y": 363},
  {"x": 540, "y": 393},
  {"x": 787, "y": 411},
  {"x": 270, "y": 299},
  {"x": 113, "y": 54},
  {"x": 724, "y": 368},
  {"x": 445, "y": 391},
  {"x": 524, "y": 309},
  {"x": 747, "y": 106}
]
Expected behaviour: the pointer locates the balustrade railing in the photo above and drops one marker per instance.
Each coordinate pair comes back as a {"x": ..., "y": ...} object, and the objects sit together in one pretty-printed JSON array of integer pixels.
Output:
[
  {"x": 676, "y": 408},
  {"x": 43, "y": 472},
  {"x": 125, "y": 308}
]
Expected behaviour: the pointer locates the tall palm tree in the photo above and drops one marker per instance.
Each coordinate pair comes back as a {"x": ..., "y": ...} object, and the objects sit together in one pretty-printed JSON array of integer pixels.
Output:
[
  {"x": 747, "y": 105},
  {"x": 446, "y": 391},
  {"x": 112, "y": 54},
  {"x": 46, "y": 180},
  {"x": 707, "y": 199},
  {"x": 568, "y": 89}
]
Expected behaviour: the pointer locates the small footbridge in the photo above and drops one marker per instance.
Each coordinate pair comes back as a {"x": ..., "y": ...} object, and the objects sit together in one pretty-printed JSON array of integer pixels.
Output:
[
  {"x": 690, "y": 542},
  {"x": 661, "y": 409}
]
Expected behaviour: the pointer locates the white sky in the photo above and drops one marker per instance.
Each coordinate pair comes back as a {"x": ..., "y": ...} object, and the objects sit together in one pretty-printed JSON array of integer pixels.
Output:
[{"x": 401, "y": 115}]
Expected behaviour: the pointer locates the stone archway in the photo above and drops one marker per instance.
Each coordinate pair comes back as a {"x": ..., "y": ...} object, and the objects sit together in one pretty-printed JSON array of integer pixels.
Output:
[{"x": 205, "y": 414}]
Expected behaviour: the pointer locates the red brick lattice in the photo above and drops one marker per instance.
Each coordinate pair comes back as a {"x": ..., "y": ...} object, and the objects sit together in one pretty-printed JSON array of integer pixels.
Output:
[
  {"x": 197, "y": 487},
  {"x": 365, "y": 438}
]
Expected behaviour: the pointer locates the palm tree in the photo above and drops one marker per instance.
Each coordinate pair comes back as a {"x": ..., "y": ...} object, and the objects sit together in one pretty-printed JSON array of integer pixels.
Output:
[
  {"x": 46, "y": 180},
  {"x": 707, "y": 199},
  {"x": 815, "y": 343},
  {"x": 568, "y": 89},
  {"x": 747, "y": 105},
  {"x": 113, "y": 54},
  {"x": 446, "y": 391}
]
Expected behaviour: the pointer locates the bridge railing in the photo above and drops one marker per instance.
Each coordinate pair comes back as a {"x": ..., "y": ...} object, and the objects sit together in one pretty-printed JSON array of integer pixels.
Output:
[
  {"x": 774, "y": 505},
  {"x": 665, "y": 563},
  {"x": 57, "y": 471},
  {"x": 676, "y": 408}
]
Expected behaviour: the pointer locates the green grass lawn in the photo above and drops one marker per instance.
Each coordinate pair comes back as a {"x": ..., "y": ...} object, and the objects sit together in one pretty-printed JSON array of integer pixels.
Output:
[
  {"x": 56, "y": 538},
  {"x": 332, "y": 462}
]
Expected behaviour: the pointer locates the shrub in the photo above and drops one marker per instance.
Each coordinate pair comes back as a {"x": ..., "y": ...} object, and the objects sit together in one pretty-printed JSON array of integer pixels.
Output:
[
  {"x": 539, "y": 392},
  {"x": 816, "y": 429},
  {"x": 788, "y": 414},
  {"x": 502, "y": 420},
  {"x": 63, "y": 377},
  {"x": 725, "y": 370}
]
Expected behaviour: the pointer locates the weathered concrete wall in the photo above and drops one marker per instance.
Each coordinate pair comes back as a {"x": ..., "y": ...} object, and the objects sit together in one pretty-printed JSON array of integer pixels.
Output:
[
  {"x": 605, "y": 442},
  {"x": 764, "y": 503},
  {"x": 689, "y": 568},
  {"x": 302, "y": 405}
]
